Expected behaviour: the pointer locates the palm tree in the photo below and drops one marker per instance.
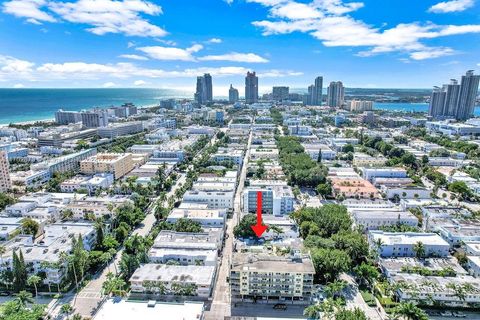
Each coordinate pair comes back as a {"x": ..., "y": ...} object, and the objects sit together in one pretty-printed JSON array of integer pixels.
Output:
[
  {"x": 34, "y": 280},
  {"x": 77, "y": 317},
  {"x": 419, "y": 249},
  {"x": 113, "y": 284},
  {"x": 66, "y": 309},
  {"x": 333, "y": 289},
  {"x": 459, "y": 290},
  {"x": 23, "y": 298},
  {"x": 366, "y": 273},
  {"x": 312, "y": 312},
  {"x": 409, "y": 311}
]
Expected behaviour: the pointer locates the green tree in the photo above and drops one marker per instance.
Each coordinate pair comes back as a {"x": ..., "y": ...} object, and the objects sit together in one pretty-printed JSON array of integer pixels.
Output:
[
  {"x": 409, "y": 311},
  {"x": 19, "y": 271},
  {"x": 114, "y": 285},
  {"x": 5, "y": 200},
  {"x": 187, "y": 225},
  {"x": 348, "y": 148},
  {"x": 34, "y": 280},
  {"x": 355, "y": 314},
  {"x": 329, "y": 263},
  {"x": 66, "y": 309},
  {"x": 30, "y": 226},
  {"x": 24, "y": 298},
  {"x": 366, "y": 273},
  {"x": 419, "y": 249}
]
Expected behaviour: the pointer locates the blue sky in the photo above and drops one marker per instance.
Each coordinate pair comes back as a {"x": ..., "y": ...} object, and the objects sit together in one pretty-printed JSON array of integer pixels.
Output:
[{"x": 166, "y": 43}]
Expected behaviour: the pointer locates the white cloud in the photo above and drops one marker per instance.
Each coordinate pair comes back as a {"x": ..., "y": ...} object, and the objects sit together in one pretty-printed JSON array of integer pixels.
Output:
[
  {"x": 328, "y": 22},
  {"x": 451, "y": 6},
  {"x": 18, "y": 86},
  {"x": 29, "y": 9},
  {"x": 131, "y": 44},
  {"x": 9, "y": 66},
  {"x": 133, "y": 57},
  {"x": 139, "y": 83},
  {"x": 430, "y": 53},
  {"x": 215, "y": 40},
  {"x": 102, "y": 16},
  {"x": 16, "y": 69},
  {"x": 170, "y": 53},
  {"x": 109, "y": 85},
  {"x": 108, "y": 16},
  {"x": 295, "y": 11},
  {"x": 235, "y": 56}
]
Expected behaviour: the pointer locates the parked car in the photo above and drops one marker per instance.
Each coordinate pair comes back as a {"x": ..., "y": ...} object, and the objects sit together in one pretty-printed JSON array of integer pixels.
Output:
[
  {"x": 447, "y": 314},
  {"x": 280, "y": 306},
  {"x": 4, "y": 293},
  {"x": 459, "y": 314}
]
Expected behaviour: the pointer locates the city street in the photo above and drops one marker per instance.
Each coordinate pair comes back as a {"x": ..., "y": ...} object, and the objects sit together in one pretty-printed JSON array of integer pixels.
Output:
[{"x": 221, "y": 304}]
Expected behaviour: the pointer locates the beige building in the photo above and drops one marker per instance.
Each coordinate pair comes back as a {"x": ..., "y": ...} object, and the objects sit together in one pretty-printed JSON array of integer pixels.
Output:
[
  {"x": 119, "y": 164},
  {"x": 271, "y": 278},
  {"x": 5, "y": 183}
]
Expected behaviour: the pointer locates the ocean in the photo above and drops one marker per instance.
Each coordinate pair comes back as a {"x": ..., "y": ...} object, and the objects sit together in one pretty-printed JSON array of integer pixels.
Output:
[{"x": 20, "y": 105}]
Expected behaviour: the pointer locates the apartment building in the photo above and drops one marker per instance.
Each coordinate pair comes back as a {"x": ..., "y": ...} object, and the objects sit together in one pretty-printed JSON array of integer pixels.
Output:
[
  {"x": 120, "y": 129},
  {"x": 118, "y": 164},
  {"x": 374, "y": 219},
  {"x": 401, "y": 244},
  {"x": 271, "y": 278},
  {"x": 5, "y": 183},
  {"x": 276, "y": 199},
  {"x": 228, "y": 155},
  {"x": 361, "y": 159},
  {"x": 372, "y": 173},
  {"x": 209, "y": 218},
  {"x": 66, "y": 163},
  {"x": 215, "y": 200},
  {"x": 152, "y": 278}
]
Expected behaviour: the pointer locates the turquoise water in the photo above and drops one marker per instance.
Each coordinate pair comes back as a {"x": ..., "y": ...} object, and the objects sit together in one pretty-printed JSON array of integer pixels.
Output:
[{"x": 19, "y": 105}]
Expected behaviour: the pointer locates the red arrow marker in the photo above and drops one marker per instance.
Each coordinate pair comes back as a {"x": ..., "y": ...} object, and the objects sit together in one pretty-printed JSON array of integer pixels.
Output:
[{"x": 259, "y": 228}]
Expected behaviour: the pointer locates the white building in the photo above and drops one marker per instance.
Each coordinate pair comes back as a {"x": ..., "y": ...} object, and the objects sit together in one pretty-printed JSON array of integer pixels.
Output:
[
  {"x": 372, "y": 173},
  {"x": 146, "y": 278},
  {"x": 401, "y": 244},
  {"x": 276, "y": 199},
  {"x": 374, "y": 219},
  {"x": 215, "y": 200},
  {"x": 210, "y": 218}
]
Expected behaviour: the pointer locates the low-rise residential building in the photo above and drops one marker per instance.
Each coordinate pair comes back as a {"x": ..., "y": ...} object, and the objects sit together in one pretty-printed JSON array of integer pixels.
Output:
[
  {"x": 119, "y": 164},
  {"x": 271, "y": 277},
  {"x": 228, "y": 155},
  {"x": 407, "y": 192},
  {"x": 435, "y": 290},
  {"x": 374, "y": 219},
  {"x": 387, "y": 172},
  {"x": 173, "y": 279},
  {"x": 210, "y": 218},
  {"x": 215, "y": 200},
  {"x": 403, "y": 244},
  {"x": 114, "y": 130},
  {"x": 361, "y": 159},
  {"x": 66, "y": 163}
]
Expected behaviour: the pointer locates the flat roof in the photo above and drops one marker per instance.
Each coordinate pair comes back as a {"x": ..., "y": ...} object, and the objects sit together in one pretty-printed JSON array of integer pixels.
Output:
[
  {"x": 200, "y": 275},
  {"x": 121, "y": 309}
]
